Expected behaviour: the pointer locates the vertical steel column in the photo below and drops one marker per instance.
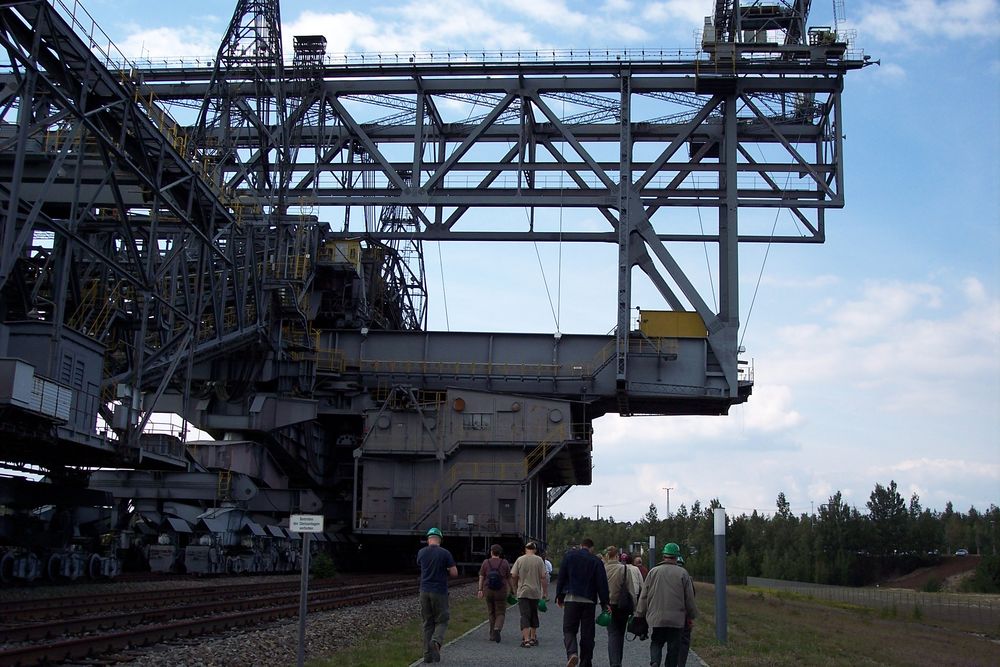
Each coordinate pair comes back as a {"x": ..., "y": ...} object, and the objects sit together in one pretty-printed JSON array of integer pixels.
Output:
[
  {"x": 25, "y": 119},
  {"x": 838, "y": 145},
  {"x": 729, "y": 287},
  {"x": 418, "y": 139},
  {"x": 624, "y": 231}
]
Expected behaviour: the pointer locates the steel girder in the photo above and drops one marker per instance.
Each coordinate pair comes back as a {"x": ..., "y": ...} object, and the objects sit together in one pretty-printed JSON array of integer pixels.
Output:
[
  {"x": 744, "y": 121},
  {"x": 108, "y": 227},
  {"x": 748, "y": 126}
]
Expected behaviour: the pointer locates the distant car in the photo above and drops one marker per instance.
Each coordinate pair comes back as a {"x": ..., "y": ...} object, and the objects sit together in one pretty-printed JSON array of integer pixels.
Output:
[{"x": 962, "y": 552}]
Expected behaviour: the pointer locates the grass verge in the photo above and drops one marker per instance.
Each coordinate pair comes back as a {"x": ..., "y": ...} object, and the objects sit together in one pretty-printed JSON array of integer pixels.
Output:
[
  {"x": 765, "y": 628},
  {"x": 401, "y": 645}
]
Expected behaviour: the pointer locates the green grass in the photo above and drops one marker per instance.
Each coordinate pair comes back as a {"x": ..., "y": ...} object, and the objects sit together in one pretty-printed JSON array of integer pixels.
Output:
[
  {"x": 402, "y": 645},
  {"x": 779, "y": 629}
]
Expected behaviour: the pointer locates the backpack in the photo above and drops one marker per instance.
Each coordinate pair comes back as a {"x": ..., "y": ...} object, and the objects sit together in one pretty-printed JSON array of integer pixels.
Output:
[{"x": 493, "y": 579}]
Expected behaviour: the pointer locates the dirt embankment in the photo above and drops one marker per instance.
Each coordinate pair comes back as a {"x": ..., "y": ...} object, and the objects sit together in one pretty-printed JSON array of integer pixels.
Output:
[{"x": 949, "y": 573}]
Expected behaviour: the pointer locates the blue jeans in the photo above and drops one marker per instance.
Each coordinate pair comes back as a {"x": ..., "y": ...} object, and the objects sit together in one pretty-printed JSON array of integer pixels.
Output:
[
  {"x": 580, "y": 616},
  {"x": 434, "y": 611},
  {"x": 657, "y": 638}
]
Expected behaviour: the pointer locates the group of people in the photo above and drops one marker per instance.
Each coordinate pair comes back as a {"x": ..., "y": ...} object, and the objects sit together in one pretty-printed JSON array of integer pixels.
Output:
[{"x": 663, "y": 596}]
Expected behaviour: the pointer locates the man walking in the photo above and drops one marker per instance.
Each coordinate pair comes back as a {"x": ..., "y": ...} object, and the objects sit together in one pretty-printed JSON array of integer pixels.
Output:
[
  {"x": 667, "y": 602},
  {"x": 531, "y": 584},
  {"x": 582, "y": 583},
  {"x": 436, "y": 565},
  {"x": 624, "y": 585}
]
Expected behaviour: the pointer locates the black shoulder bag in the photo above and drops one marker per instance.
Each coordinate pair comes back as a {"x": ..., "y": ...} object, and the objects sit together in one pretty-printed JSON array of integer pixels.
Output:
[
  {"x": 625, "y": 603},
  {"x": 638, "y": 626}
]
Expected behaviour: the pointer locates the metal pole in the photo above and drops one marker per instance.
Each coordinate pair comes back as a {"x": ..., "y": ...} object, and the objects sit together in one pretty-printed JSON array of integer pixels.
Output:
[
  {"x": 720, "y": 574},
  {"x": 668, "y": 489},
  {"x": 303, "y": 596}
]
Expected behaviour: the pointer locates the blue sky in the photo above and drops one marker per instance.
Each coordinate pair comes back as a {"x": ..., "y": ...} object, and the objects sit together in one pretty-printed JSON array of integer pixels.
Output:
[{"x": 876, "y": 355}]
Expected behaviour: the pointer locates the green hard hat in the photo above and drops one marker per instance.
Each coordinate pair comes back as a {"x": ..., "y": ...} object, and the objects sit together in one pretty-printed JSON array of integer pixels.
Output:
[
  {"x": 435, "y": 531},
  {"x": 671, "y": 549}
]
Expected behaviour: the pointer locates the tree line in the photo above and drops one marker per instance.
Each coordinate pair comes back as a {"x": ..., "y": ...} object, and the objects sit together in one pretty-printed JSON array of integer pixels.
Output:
[{"x": 837, "y": 544}]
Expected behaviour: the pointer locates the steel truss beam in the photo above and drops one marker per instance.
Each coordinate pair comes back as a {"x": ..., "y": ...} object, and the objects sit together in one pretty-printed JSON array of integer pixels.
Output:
[
  {"x": 158, "y": 219},
  {"x": 98, "y": 185},
  {"x": 744, "y": 124}
]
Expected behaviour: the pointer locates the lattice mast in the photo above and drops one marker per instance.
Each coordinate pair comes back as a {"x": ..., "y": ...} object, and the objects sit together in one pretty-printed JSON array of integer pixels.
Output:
[
  {"x": 250, "y": 56},
  {"x": 403, "y": 282}
]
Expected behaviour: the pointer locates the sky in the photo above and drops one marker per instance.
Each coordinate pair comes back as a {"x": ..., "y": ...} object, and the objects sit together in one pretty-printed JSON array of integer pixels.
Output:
[{"x": 876, "y": 355}]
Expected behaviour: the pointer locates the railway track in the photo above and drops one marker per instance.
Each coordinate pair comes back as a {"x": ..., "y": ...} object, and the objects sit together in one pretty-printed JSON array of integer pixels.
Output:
[{"x": 56, "y": 630}]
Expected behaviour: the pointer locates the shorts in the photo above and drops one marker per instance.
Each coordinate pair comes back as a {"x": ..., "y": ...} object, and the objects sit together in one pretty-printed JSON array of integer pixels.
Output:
[{"x": 529, "y": 612}]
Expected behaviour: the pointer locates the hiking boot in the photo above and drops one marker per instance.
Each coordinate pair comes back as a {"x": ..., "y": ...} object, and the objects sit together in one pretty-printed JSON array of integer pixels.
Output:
[
  {"x": 435, "y": 652},
  {"x": 573, "y": 661},
  {"x": 496, "y": 636}
]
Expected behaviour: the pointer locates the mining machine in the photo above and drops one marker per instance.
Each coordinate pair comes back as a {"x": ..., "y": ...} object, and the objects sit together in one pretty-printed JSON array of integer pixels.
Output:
[{"x": 234, "y": 245}]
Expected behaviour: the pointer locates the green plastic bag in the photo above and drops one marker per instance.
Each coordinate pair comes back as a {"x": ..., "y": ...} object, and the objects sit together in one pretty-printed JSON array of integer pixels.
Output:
[
  {"x": 511, "y": 599},
  {"x": 542, "y": 605},
  {"x": 604, "y": 618}
]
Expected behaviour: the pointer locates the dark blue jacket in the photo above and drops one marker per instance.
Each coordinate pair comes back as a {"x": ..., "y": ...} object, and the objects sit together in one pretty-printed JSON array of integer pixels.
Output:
[{"x": 582, "y": 573}]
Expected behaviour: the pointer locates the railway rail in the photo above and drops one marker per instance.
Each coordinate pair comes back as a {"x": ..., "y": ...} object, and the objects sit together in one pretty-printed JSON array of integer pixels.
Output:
[{"x": 54, "y": 630}]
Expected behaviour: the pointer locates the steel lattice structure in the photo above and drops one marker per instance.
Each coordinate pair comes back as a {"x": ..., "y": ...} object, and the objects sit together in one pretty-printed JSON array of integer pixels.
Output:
[{"x": 240, "y": 241}]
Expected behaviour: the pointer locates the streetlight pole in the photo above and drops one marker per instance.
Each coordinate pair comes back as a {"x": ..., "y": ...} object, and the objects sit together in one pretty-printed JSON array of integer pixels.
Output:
[{"x": 668, "y": 489}]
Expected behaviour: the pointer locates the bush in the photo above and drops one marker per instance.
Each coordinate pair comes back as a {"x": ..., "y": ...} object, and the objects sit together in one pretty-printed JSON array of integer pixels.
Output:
[
  {"x": 932, "y": 585},
  {"x": 322, "y": 566},
  {"x": 987, "y": 577}
]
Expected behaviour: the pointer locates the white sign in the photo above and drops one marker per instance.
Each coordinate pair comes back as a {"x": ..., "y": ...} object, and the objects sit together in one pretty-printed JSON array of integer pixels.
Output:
[{"x": 306, "y": 523}]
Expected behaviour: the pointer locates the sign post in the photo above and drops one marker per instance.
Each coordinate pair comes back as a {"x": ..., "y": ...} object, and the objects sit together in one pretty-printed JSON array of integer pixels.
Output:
[
  {"x": 306, "y": 525},
  {"x": 720, "y": 574},
  {"x": 652, "y": 551}
]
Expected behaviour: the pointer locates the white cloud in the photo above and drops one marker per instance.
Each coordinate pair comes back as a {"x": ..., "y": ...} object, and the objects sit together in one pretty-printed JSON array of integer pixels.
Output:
[
  {"x": 974, "y": 290},
  {"x": 934, "y": 336},
  {"x": 443, "y": 26},
  {"x": 890, "y": 72},
  {"x": 911, "y": 21},
  {"x": 764, "y": 419},
  {"x": 685, "y": 11},
  {"x": 808, "y": 282},
  {"x": 946, "y": 467},
  {"x": 550, "y": 12},
  {"x": 152, "y": 43},
  {"x": 857, "y": 392},
  {"x": 618, "y": 6}
]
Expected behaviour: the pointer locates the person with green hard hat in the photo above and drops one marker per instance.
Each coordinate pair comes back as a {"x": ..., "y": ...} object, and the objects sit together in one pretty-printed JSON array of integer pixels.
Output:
[
  {"x": 667, "y": 604},
  {"x": 436, "y": 565}
]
